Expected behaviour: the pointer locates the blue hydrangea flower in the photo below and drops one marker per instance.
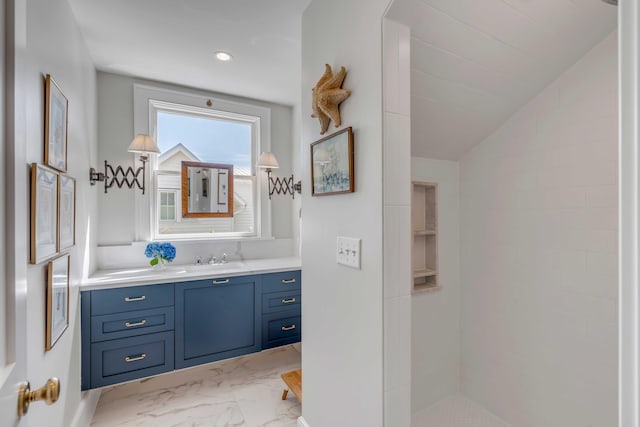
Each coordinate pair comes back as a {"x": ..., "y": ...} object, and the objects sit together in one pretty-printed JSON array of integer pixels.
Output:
[
  {"x": 152, "y": 250},
  {"x": 164, "y": 251},
  {"x": 168, "y": 251}
]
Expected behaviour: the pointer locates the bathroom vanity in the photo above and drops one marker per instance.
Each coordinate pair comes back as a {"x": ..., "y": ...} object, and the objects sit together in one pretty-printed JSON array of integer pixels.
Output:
[{"x": 141, "y": 322}]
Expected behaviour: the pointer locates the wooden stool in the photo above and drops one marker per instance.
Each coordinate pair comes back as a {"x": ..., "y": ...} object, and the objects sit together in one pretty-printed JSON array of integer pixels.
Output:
[{"x": 293, "y": 380}]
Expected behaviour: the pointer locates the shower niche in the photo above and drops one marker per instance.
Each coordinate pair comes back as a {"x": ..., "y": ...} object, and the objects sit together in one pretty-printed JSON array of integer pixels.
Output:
[{"x": 424, "y": 226}]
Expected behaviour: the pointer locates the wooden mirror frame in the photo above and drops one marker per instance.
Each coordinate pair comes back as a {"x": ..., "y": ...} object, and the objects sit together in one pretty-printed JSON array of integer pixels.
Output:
[{"x": 185, "y": 190}]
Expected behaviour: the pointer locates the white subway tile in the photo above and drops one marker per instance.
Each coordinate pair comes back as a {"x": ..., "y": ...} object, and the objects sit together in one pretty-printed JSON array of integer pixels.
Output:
[
  {"x": 605, "y": 196},
  {"x": 397, "y": 342},
  {"x": 397, "y": 68},
  {"x": 396, "y": 152},
  {"x": 601, "y": 241},
  {"x": 397, "y": 406},
  {"x": 397, "y": 251}
]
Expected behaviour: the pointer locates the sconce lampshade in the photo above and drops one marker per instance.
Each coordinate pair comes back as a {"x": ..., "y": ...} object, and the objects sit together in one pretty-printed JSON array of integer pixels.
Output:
[
  {"x": 143, "y": 144},
  {"x": 268, "y": 161}
]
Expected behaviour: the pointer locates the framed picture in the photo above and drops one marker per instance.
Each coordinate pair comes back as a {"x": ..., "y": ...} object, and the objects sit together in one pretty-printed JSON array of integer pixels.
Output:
[
  {"x": 44, "y": 213},
  {"x": 57, "y": 299},
  {"x": 55, "y": 135},
  {"x": 66, "y": 212},
  {"x": 332, "y": 164}
]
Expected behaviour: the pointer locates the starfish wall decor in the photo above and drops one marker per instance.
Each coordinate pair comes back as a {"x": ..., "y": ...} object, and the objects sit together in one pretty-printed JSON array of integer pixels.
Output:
[{"x": 327, "y": 96}]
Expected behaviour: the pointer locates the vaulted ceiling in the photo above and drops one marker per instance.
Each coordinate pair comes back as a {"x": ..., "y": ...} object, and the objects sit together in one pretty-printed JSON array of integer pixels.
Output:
[{"x": 474, "y": 63}]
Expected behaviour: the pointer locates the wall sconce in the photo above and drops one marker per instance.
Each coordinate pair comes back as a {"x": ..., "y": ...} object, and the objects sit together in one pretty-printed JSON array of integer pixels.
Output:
[
  {"x": 142, "y": 144},
  {"x": 268, "y": 161}
]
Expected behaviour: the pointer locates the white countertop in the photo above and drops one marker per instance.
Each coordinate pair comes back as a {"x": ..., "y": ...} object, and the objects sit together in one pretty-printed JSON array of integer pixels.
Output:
[{"x": 103, "y": 279}]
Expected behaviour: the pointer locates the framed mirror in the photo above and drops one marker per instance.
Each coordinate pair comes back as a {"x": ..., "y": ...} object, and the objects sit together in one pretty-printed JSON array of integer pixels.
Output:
[{"x": 207, "y": 190}]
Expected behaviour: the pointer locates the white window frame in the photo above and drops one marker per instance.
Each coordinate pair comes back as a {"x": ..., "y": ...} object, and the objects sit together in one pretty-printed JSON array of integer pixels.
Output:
[
  {"x": 148, "y": 101},
  {"x": 176, "y": 216}
]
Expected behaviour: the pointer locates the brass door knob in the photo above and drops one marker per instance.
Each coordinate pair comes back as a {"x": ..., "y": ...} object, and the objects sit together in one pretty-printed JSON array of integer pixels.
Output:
[{"x": 49, "y": 393}]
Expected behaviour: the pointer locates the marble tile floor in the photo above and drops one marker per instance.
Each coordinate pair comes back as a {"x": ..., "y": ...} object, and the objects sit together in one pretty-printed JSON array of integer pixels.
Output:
[
  {"x": 244, "y": 391},
  {"x": 456, "y": 411}
]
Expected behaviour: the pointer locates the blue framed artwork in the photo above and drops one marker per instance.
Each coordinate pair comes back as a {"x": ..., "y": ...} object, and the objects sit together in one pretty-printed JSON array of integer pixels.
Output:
[{"x": 332, "y": 164}]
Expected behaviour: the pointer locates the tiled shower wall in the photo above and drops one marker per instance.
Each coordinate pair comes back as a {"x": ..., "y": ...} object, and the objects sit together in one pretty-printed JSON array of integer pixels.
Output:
[
  {"x": 396, "y": 149},
  {"x": 539, "y": 255},
  {"x": 435, "y": 315}
]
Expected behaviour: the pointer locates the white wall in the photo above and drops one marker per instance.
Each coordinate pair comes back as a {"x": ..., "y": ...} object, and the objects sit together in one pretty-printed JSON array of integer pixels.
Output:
[
  {"x": 117, "y": 208},
  {"x": 342, "y": 307},
  {"x": 539, "y": 255},
  {"x": 435, "y": 337},
  {"x": 53, "y": 44}
]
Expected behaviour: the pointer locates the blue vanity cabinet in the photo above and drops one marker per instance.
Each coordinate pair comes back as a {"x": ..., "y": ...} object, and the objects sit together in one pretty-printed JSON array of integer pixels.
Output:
[
  {"x": 217, "y": 319},
  {"x": 281, "y": 299},
  {"x": 127, "y": 333},
  {"x": 140, "y": 331}
]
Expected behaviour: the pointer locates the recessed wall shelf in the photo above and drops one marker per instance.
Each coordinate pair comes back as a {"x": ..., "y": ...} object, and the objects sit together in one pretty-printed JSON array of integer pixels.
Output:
[
  {"x": 424, "y": 233},
  {"x": 423, "y": 273},
  {"x": 424, "y": 223}
]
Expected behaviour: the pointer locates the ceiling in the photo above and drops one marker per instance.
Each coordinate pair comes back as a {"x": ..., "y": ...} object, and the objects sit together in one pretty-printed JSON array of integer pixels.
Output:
[
  {"x": 175, "y": 41},
  {"x": 474, "y": 63}
]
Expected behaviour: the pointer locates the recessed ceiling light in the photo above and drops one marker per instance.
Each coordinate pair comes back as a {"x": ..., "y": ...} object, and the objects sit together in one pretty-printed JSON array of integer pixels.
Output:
[{"x": 223, "y": 56}]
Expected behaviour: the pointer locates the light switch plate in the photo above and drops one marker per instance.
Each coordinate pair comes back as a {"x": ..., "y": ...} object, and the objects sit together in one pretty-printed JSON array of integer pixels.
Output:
[{"x": 348, "y": 251}]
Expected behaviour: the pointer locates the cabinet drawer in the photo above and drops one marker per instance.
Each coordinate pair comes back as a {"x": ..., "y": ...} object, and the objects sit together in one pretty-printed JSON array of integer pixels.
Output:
[
  {"x": 279, "y": 301},
  {"x": 129, "y": 324},
  {"x": 279, "y": 282},
  {"x": 278, "y": 329},
  {"x": 129, "y": 299},
  {"x": 130, "y": 358}
]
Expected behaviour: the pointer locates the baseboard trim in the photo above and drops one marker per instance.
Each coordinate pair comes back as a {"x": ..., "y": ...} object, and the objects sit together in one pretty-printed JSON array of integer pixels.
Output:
[
  {"x": 302, "y": 422},
  {"x": 86, "y": 408}
]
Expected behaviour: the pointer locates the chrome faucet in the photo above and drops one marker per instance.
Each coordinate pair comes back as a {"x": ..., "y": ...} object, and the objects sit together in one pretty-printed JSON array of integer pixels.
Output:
[
  {"x": 212, "y": 260},
  {"x": 224, "y": 259}
]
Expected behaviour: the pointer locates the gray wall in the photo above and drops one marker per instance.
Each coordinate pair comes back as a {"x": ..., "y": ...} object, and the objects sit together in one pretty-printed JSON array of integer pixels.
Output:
[{"x": 115, "y": 132}]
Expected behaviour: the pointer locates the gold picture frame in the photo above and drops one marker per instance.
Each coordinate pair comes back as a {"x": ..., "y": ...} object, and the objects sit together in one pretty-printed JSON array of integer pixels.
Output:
[
  {"x": 55, "y": 126},
  {"x": 66, "y": 212},
  {"x": 57, "y": 299},
  {"x": 44, "y": 213},
  {"x": 332, "y": 164}
]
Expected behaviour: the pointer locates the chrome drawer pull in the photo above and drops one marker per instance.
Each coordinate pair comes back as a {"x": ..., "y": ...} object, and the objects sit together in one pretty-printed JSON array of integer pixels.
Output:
[
  {"x": 221, "y": 282},
  {"x": 288, "y": 281},
  {"x": 288, "y": 301},
  {"x": 132, "y": 299},
  {"x": 140, "y": 323},
  {"x": 288, "y": 328},
  {"x": 129, "y": 359}
]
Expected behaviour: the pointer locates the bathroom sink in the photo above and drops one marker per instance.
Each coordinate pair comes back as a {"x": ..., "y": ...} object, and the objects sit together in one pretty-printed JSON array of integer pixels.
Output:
[
  {"x": 234, "y": 266},
  {"x": 176, "y": 271},
  {"x": 138, "y": 273}
]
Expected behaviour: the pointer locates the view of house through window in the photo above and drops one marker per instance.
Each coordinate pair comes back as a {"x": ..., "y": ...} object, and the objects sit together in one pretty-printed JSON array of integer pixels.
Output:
[{"x": 209, "y": 138}]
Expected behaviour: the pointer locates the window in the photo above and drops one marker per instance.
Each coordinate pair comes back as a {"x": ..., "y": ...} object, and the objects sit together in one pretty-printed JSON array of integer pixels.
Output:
[
  {"x": 167, "y": 205},
  {"x": 207, "y": 137},
  {"x": 195, "y": 128}
]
